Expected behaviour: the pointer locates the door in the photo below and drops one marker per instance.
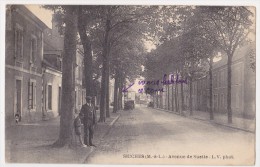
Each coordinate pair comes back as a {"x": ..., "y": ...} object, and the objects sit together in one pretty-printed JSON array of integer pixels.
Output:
[{"x": 18, "y": 98}]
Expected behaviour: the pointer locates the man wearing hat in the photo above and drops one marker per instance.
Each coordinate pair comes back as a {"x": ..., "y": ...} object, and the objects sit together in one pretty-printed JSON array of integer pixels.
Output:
[{"x": 89, "y": 119}]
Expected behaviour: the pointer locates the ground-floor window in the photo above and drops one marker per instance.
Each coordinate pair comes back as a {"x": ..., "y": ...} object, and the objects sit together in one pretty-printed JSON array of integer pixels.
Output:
[
  {"x": 49, "y": 97},
  {"x": 32, "y": 94}
]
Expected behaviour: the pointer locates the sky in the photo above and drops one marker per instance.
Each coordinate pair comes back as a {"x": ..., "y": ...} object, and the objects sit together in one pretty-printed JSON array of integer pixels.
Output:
[{"x": 43, "y": 14}]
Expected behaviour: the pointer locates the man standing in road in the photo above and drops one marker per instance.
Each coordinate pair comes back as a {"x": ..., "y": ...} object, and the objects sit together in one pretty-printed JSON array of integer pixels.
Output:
[{"x": 89, "y": 119}]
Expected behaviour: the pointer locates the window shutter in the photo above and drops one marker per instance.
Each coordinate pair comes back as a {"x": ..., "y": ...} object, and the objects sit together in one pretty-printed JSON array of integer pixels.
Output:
[
  {"x": 21, "y": 47},
  {"x": 15, "y": 43},
  {"x": 29, "y": 95},
  {"x": 34, "y": 95},
  {"x": 31, "y": 50}
]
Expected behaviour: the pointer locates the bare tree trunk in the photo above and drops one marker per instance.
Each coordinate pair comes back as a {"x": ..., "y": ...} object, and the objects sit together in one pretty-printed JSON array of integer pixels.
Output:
[
  {"x": 107, "y": 94},
  {"x": 120, "y": 95},
  {"x": 68, "y": 82},
  {"x": 102, "y": 117},
  {"x": 172, "y": 97},
  {"x": 176, "y": 98},
  {"x": 161, "y": 100},
  {"x": 191, "y": 111},
  {"x": 182, "y": 93},
  {"x": 104, "y": 74},
  {"x": 182, "y": 99},
  {"x": 168, "y": 93},
  {"x": 115, "y": 106},
  {"x": 211, "y": 89},
  {"x": 229, "y": 89},
  {"x": 157, "y": 100},
  {"x": 88, "y": 71}
]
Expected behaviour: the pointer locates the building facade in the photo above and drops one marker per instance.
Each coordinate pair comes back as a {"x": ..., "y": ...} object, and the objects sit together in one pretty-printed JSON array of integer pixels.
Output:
[
  {"x": 80, "y": 91},
  {"x": 242, "y": 92},
  {"x": 52, "y": 73},
  {"x": 23, "y": 64}
]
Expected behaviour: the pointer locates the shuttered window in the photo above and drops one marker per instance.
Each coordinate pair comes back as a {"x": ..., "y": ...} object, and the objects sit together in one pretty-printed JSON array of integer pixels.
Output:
[
  {"x": 18, "y": 42},
  {"x": 33, "y": 53},
  {"x": 32, "y": 95},
  {"x": 49, "y": 90}
]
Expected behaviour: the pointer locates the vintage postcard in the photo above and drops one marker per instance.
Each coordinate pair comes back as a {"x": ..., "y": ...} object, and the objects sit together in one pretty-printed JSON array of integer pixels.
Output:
[{"x": 130, "y": 84}]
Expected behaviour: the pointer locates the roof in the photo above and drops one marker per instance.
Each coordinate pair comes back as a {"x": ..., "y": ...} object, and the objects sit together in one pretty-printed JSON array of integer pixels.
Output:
[
  {"x": 27, "y": 13},
  {"x": 50, "y": 60},
  {"x": 53, "y": 41}
]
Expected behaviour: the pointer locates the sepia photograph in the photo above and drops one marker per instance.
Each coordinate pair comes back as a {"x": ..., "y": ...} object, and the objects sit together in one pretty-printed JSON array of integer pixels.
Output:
[{"x": 130, "y": 84}]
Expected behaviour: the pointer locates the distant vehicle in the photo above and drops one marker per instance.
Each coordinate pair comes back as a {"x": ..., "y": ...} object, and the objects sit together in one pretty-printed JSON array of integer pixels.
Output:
[
  {"x": 150, "y": 104},
  {"x": 129, "y": 100},
  {"x": 129, "y": 105}
]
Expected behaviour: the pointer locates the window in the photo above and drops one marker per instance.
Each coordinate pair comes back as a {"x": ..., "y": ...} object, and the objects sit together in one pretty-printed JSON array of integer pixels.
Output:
[
  {"x": 32, "y": 94},
  {"x": 221, "y": 101},
  {"x": 33, "y": 52},
  {"x": 59, "y": 63},
  {"x": 49, "y": 92},
  {"x": 18, "y": 42}
]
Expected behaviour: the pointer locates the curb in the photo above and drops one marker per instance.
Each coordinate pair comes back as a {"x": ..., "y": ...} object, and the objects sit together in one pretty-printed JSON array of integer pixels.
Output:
[
  {"x": 203, "y": 120},
  {"x": 113, "y": 122},
  {"x": 106, "y": 133},
  {"x": 111, "y": 125}
]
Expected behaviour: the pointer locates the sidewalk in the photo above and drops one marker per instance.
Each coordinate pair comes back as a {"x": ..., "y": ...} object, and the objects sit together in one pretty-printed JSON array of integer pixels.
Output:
[
  {"x": 244, "y": 124},
  {"x": 31, "y": 143}
]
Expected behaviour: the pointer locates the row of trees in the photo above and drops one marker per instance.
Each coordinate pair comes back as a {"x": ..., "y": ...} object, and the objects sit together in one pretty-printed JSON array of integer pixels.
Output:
[
  {"x": 190, "y": 44},
  {"x": 113, "y": 43}
]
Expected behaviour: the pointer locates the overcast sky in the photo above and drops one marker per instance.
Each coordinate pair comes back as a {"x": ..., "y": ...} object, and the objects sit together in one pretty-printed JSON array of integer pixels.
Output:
[{"x": 41, "y": 13}]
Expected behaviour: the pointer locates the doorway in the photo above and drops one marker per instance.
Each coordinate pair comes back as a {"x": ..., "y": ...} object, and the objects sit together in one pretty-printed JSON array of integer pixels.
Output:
[{"x": 18, "y": 98}]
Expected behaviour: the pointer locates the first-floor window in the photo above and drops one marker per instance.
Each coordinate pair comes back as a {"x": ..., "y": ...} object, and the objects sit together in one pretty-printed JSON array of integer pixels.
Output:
[
  {"x": 49, "y": 90},
  {"x": 32, "y": 94},
  {"x": 33, "y": 53},
  {"x": 19, "y": 34}
]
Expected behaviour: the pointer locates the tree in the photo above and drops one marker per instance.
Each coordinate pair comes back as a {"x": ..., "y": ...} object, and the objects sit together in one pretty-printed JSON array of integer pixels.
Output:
[
  {"x": 68, "y": 84},
  {"x": 126, "y": 60},
  {"x": 116, "y": 22},
  {"x": 229, "y": 27},
  {"x": 84, "y": 19},
  {"x": 67, "y": 17},
  {"x": 173, "y": 23}
]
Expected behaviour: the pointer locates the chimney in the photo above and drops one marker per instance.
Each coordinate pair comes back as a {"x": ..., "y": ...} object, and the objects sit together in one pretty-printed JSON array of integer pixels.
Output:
[{"x": 55, "y": 30}]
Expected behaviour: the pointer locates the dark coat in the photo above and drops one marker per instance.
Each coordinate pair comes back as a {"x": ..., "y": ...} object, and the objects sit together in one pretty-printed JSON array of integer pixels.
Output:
[{"x": 89, "y": 113}]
